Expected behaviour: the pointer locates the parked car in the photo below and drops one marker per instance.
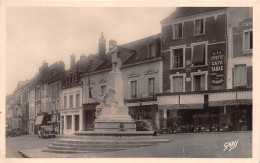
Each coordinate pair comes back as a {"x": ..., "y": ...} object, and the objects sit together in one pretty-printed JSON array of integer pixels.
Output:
[
  {"x": 146, "y": 125},
  {"x": 46, "y": 132}
]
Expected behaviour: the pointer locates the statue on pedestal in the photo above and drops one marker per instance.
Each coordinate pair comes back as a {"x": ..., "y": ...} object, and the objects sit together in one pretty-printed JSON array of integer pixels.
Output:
[{"x": 116, "y": 62}]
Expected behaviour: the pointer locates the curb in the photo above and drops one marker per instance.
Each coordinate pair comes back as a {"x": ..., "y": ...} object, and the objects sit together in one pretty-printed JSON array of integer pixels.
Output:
[{"x": 23, "y": 155}]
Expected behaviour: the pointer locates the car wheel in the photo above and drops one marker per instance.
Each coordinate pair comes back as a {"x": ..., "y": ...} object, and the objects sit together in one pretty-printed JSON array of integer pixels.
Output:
[{"x": 54, "y": 136}]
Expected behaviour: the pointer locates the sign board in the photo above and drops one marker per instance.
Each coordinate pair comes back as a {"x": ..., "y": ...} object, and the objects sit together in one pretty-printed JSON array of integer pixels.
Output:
[
  {"x": 70, "y": 112},
  {"x": 217, "y": 68}
]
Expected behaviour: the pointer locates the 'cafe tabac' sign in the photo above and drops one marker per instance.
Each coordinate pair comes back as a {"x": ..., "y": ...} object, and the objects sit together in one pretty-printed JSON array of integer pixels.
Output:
[{"x": 217, "y": 68}]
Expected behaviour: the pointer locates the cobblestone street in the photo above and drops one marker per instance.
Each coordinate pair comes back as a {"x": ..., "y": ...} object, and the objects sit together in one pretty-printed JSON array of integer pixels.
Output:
[{"x": 207, "y": 145}]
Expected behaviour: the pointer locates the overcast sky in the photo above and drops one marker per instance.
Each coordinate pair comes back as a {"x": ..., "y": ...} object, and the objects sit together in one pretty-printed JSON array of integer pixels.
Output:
[{"x": 35, "y": 34}]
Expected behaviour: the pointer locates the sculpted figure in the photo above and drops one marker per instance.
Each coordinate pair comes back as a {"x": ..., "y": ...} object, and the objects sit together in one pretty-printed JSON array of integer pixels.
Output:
[
  {"x": 107, "y": 100},
  {"x": 116, "y": 62}
]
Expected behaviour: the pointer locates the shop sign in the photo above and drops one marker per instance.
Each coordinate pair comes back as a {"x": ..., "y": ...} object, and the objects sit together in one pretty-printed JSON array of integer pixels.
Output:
[
  {"x": 70, "y": 112},
  {"x": 181, "y": 106},
  {"x": 217, "y": 68}
]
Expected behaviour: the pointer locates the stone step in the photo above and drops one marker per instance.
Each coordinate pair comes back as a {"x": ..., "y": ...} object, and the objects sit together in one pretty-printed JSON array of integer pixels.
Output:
[
  {"x": 78, "y": 141},
  {"x": 64, "y": 151},
  {"x": 103, "y": 145},
  {"x": 82, "y": 149}
]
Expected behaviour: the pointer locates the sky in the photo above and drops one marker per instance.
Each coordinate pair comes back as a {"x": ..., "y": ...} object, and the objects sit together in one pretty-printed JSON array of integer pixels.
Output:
[{"x": 34, "y": 34}]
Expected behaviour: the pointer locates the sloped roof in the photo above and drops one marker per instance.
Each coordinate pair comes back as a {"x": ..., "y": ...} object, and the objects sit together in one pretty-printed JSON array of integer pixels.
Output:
[
  {"x": 188, "y": 11},
  {"x": 129, "y": 53}
]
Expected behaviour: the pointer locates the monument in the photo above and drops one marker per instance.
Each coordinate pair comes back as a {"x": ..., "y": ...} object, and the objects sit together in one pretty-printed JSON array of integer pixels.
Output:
[{"x": 112, "y": 114}]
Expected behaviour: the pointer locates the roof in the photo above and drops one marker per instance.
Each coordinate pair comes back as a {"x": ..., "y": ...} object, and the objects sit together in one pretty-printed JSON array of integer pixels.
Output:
[
  {"x": 188, "y": 11},
  {"x": 129, "y": 53}
]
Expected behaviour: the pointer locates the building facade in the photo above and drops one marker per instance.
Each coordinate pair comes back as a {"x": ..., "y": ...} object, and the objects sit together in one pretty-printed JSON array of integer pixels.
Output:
[{"x": 195, "y": 65}]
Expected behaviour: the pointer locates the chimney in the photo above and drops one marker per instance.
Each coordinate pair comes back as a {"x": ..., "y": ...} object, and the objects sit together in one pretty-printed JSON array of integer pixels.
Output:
[
  {"x": 111, "y": 43},
  {"x": 82, "y": 57},
  {"x": 102, "y": 45},
  {"x": 43, "y": 67},
  {"x": 61, "y": 66},
  {"x": 72, "y": 60}
]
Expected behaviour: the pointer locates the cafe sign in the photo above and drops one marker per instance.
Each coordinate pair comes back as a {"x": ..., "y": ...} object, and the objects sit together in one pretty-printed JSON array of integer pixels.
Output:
[{"x": 217, "y": 68}]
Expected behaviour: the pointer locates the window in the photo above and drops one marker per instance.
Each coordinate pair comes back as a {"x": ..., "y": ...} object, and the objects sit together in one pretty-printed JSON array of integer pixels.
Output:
[
  {"x": 177, "y": 58},
  {"x": 151, "y": 86},
  {"x": 58, "y": 89},
  {"x": 77, "y": 100},
  {"x": 71, "y": 101},
  {"x": 133, "y": 89},
  {"x": 199, "y": 83},
  {"x": 177, "y": 84},
  {"x": 178, "y": 30},
  {"x": 199, "y": 54},
  {"x": 69, "y": 119},
  {"x": 103, "y": 89},
  {"x": 240, "y": 76},
  {"x": 37, "y": 94},
  {"x": 65, "y": 101},
  {"x": 199, "y": 26},
  {"x": 152, "y": 50},
  {"x": 248, "y": 40}
]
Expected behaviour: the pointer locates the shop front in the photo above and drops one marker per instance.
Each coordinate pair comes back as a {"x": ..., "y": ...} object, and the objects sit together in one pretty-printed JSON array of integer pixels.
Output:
[
  {"x": 144, "y": 110},
  {"x": 89, "y": 117},
  {"x": 212, "y": 111},
  {"x": 71, "y": 121}
]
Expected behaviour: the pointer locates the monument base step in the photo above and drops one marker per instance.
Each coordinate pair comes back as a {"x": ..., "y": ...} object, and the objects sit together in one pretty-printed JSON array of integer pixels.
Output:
[{"x": 82, "y": 144}]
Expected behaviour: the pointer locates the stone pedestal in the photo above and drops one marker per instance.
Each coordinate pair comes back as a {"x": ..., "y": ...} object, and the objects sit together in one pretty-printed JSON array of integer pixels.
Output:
[{"x": 115, "y": 118}]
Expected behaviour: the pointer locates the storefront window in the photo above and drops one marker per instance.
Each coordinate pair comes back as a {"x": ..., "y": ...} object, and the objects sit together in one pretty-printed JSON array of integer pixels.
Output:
[{"x": 69, "y": 120}]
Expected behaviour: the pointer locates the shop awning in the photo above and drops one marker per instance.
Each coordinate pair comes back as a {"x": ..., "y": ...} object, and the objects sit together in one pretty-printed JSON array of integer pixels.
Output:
[{"x": 39, "y": 120}]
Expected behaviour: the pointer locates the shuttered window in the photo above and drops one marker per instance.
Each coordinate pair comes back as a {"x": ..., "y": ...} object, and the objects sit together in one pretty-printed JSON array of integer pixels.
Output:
[
  {"x": 199, "y": 55},
  {"x": 178, "y": 30},
  {"x": 177, "y": 84},
  {"x": 240, "y": 76},
  {"x": 199, "y": 26}
]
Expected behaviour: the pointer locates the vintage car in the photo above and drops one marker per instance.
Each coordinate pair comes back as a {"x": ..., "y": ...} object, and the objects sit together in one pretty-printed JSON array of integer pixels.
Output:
[
  {"x": 146, "y": 125},
  {"x": 46, "y": 132}
]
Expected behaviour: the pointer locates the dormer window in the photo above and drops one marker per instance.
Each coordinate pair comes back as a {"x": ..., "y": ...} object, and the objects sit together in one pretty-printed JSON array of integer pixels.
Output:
[
  {"x": 152, "y": 50},
  {"x": 178, "y": 31}
]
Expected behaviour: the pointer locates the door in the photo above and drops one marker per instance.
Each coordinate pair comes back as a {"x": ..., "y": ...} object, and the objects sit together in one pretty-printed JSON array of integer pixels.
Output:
[
  {"x": 62, "y": 125},
  {"x": 76, "y": 122}
]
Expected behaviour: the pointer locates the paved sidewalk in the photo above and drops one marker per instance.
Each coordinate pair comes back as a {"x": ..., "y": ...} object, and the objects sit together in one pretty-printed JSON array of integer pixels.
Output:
[{"x": 208, "y": 145}]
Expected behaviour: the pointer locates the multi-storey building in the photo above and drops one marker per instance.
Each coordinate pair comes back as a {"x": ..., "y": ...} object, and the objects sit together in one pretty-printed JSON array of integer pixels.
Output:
[
  {"x": 43, "y": 97},
  {"x": 71, "y": 117},
  {"x": 21, "y": 110},
  {"x": 195, "y": 67},
  {"x": 142, "y": 79},
  {"x": 239, "y": 67}
]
